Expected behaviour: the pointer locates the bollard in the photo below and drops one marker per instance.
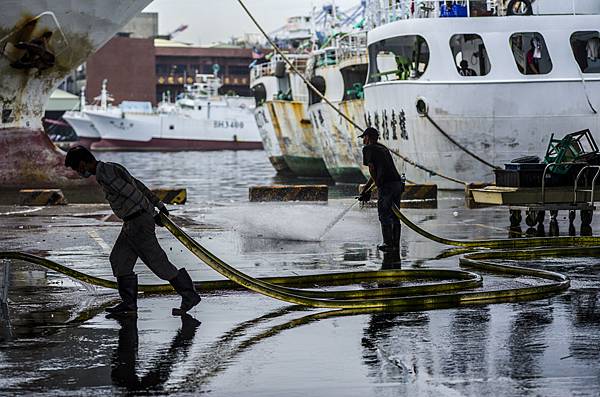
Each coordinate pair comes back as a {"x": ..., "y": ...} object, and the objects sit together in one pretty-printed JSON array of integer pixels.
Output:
[
  {"x": 419, "y": 196},
  {"x": 41, "y": 197},
  {"x": 288, "y": 193}
]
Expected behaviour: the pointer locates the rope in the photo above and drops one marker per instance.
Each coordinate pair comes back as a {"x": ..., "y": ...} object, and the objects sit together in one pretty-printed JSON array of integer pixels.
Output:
[
  {"x": 335, "y": 108},
  {"x": 461, "y": 147}
]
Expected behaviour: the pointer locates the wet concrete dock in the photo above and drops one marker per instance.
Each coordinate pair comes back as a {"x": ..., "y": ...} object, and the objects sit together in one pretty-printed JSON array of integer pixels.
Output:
[{"x": 56, "y": 340}]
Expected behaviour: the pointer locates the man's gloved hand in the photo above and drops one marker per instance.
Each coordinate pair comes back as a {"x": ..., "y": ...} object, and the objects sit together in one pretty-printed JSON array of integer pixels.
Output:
[
  {"x": 364, "y": 197},
  {"x": 158, "y": 220},
  {"x": 163, "y": 208}
]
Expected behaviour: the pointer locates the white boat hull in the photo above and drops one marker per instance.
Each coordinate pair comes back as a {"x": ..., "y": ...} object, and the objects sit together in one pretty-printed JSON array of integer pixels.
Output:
[
  {"x": 175, "y": 131},
  {"x": 505, "y": 121}
]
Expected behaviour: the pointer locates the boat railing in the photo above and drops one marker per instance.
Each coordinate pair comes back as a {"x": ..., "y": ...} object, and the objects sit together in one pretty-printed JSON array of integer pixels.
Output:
[
  {"x": 381, "y": 12},
  {"x": 271, "y": 68}
]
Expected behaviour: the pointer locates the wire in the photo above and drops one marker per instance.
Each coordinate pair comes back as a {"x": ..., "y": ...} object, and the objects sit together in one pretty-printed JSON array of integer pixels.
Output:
[
  {"x": 337, "y": 110},
  {"x": 461, "y": 147}
]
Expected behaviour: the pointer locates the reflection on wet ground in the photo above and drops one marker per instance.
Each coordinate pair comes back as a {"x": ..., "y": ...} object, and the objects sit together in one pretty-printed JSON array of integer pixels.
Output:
[{"x": 54, "y": 338}]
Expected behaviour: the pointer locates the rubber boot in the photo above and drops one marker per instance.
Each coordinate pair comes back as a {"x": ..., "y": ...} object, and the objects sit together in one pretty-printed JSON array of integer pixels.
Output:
[
  {"x": 128, "y": 289},
  {"x": 387, "y": 232},
  {"x": 184, "y": 286},
  {"x": 396, "y": 237}
]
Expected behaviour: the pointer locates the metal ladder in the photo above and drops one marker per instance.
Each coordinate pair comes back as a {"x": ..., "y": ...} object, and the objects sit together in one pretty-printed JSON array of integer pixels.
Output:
[{"x": 591, "y": 191}]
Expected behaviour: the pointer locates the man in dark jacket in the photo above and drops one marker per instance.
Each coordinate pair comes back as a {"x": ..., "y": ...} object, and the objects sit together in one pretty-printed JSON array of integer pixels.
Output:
[
  {"x": 389, "y": 186},
  {"x": 134, "y": 203}
]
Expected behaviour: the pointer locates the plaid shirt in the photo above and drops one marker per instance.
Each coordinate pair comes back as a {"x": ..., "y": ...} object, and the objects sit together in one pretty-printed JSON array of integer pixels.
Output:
[{"x": 125, "y": 194}]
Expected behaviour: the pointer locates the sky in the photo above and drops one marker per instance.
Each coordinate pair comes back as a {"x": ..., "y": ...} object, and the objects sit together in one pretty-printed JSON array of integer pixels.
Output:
[{"x": 218, "y": 20}]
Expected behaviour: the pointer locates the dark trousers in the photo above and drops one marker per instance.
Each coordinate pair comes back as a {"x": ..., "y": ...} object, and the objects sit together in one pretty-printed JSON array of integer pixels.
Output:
[
  {"x": 388, "y": 195},
  {"x": 138, "y": 240}
]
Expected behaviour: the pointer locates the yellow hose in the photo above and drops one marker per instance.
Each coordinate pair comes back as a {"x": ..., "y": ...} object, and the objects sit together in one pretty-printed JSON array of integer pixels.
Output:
[
  {"x": 453, "y": 287},
  {"x": 513, "y": 243}
]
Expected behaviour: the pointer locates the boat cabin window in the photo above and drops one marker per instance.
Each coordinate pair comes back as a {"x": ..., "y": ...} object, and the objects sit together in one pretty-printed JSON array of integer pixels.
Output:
[
  {"x": 586, "y": 49},
  {"x": 470, "y": 56},
  {"x": 531, "y": 53},
  {"x": 260, "y": 94},
  {"x": 319, "y": 83},
  {"x": 354, "y": 78},
  {"x": 398, "y": 58}
]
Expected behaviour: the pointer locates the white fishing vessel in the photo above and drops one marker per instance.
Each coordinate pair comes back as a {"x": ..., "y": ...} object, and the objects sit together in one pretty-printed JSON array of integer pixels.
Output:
[
  {"x": 199, "y": 120},
  {"x": 81, "y": 123},
  {"x": 496, "y": 77},
  {"x": 339, "y": 72},
  {"x": 40, "y": 43}
]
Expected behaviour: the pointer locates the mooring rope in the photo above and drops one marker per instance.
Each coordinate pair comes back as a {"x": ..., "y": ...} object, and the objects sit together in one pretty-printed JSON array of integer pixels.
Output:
[
  {"x": 457, "y": 144},
  {"x": 335, "y": 108}
]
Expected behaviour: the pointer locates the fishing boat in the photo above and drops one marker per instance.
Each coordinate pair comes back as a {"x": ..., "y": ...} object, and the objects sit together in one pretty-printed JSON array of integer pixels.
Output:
[
  {"x": 200, "y": 119},
  {"x": 339, "y": 71},
  {"x": 40, "y": 43},
  {"x": 281, "y": 99},
  {"x": 460, "y": 87},
  {"x": 81, "y": 123},
  {"x": 281, "y": 109}
]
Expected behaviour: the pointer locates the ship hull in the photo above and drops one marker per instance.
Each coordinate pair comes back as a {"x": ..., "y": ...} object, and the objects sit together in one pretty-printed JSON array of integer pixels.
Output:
[
  {"x": 272, "y": 146},
  {"x": 29, "y": 158},
  {"x": 496, "y": 132},
  {"x": 172, "y": 131},
  {"x": 342, "y": 153},
  {"x": 87, "y": 134},
  {"x": 165, "y": 145},
  {"x": 300, "y": 147}
]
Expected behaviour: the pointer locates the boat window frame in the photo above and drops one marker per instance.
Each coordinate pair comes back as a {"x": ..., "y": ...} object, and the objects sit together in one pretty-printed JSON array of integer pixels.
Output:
[
  {"x": 571, "y": 40},
  {"x": 487, "y": 56},
  {"x": 544, "y": 49},
  {"x": 373, "y": 73}
]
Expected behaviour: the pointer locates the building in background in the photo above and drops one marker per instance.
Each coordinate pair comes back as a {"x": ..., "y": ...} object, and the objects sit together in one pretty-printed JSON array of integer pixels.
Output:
[{"x": 142, "y": 65}]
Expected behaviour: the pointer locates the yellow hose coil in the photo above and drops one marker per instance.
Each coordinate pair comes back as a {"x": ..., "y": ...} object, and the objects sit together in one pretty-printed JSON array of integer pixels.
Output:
[{"x": 425, "y": 296}]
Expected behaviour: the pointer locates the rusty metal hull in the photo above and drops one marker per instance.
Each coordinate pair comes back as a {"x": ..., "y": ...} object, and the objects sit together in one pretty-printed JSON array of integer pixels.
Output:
[
  {"x": 67, "y": 33},
  {"x": 264, "y": 120},
  {"x": 299, "y": 145},
  {"x": 342, "y": 152}
]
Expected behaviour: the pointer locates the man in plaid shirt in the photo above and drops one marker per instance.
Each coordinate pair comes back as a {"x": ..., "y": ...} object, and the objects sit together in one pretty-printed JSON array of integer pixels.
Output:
[{"x": 134, "y": 203}]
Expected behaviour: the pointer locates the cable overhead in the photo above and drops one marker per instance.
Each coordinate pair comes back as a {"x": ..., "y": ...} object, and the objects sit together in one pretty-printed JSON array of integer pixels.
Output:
[{"x": 335, "y": 108}]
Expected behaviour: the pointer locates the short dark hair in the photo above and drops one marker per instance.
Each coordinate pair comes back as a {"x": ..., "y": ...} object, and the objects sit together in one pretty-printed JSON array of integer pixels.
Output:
[{"x": 77, "y": 154}]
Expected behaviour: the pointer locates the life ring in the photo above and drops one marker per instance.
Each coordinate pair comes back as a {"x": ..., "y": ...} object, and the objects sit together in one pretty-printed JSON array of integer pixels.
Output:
[{"x": 511, "y": 4}]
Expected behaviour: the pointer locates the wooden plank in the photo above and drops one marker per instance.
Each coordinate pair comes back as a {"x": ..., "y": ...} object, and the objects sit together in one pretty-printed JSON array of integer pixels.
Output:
[{"x": 499, "y": 195}]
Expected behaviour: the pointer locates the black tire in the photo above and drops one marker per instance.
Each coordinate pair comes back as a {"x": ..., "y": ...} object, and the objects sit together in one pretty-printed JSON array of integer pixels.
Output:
[{"x": 512, "y": 3}]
